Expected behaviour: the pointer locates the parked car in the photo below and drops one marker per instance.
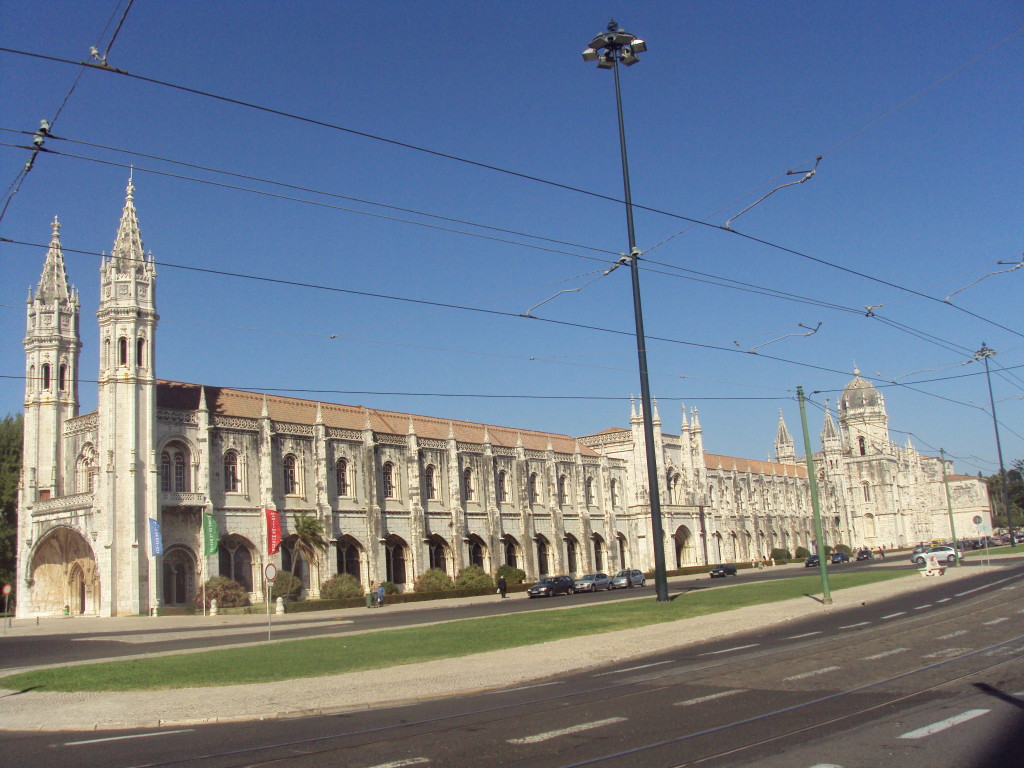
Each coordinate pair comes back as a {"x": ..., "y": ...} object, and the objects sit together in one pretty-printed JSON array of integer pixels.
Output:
[
  {"x": 943, "y": 554},
  {"x": 840, "y": 557},
  {"x": 628, "y": 578},
  {"x": 920, "y": 548},
  {"x": 591, "y": 582},
  {"x": 865, "y": 554},
  {"x": 550, "y": 586},
  {"x": 723, "y": 570},
  {"x": 812, "y": 562}
]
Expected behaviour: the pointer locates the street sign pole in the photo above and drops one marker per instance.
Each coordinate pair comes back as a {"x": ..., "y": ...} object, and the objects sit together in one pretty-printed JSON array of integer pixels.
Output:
[{"x": 270, "y": 572}]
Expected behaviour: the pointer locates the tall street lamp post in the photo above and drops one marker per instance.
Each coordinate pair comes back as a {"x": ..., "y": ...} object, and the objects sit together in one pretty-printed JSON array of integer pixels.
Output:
[
  {"x": 984, "y": 354},
  {"x": 609, "y": 49}
]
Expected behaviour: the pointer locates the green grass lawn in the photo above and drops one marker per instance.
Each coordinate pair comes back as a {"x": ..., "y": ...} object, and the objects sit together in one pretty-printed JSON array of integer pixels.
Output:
[{"x": 291, "y": 659}]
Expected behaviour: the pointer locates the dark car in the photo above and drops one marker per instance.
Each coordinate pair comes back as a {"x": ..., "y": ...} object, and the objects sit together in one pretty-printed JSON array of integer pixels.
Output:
[
  {"x": 723, "y": 570},
  {"x": 840, "y": 557},
  {"x": 550, "y": 586},
  {"x": 812, "y": 562},
  {"x": 865, "y": 554}
]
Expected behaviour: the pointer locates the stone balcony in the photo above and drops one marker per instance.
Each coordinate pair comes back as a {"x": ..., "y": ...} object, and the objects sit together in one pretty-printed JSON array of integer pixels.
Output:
[{"x": 182, "y": 499}]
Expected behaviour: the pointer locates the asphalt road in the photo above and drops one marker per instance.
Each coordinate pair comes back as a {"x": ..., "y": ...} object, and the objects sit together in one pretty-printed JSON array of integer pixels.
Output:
[{"x": 930, "y": 679}]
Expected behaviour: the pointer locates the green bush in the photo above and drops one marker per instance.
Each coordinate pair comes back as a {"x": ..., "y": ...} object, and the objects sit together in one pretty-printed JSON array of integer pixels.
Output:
[
  {"x": 843, "y": 548},
  {"x": 802, "y": 553},
  {"x": 780, "y": 555},
  {"x": 227, "y": 592},
  {"x": 473, "y": 577},
  {"x": 512, "y": 574},
  {"x": 341, "y": 586},
  {"x": 434, "y": 580},
  {"x": 390, "y": 588},
  {"x": 286, "y": 586}
]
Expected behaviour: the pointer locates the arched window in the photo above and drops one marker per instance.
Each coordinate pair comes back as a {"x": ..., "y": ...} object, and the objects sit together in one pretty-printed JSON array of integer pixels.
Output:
[
  {"x": 562, "y": 498},
  {"x": 235, "y": 559},
  {"x": 599, "y": 551},
  {"x": 867, "y": 490},
  {"x": 571, "y": 553},
  {"x": 511, "y": 552},
  {"x": 430, "y": 481},
  {"x": 62, "y": 376},
  {"x": 588, "y": 491},
  {"x": 542, "y": 556},
  {"x": 388, "y": 477},
  {"x": 122, "y": 351},
  {"x": 46, "y": 376},
  {"x": 231, "y": 472},
  {"x": 140, "y": 352},
  {"x": 174, "y": 468},
  {"x": 615, "y": 492},
  {"x": 106, "y": 353},
  {"x": 502, "y": 486},
  {"x": 349, "y": 556},
  {"x": 84, "y": 469},
  {"x": 394, "y": 559},
  {"x": 863, "y": 446},
  {"x": 31, "y": 378},
  {"x": 341, "y": 476},
  {"x": 532, "y": 489},
  {"x": 290, "y": 468},
  {"x": 467, "y": 483},
  {"x": 437, "y": 553}
]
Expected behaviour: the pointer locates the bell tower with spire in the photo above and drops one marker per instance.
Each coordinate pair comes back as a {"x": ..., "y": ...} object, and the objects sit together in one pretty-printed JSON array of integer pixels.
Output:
[
  {"x": 785, "y": 451},
  {"x": 51, "y": 375},
  {"x": 127, "y": 414}
]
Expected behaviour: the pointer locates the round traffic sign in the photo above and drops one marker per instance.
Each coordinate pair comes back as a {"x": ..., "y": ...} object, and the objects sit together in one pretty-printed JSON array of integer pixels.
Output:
[
  {"x": 977, "y": 519},
  {"x": 7, "y": 589},
  {"x": 270, "y": 571}
]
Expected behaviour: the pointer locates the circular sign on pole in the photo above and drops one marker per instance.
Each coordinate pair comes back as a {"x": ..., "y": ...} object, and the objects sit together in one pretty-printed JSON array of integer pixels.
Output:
[
  {"x": 270, "y": 571},
  {"x": 977, "y": 519},
  {"x": 7, "y": 589}
]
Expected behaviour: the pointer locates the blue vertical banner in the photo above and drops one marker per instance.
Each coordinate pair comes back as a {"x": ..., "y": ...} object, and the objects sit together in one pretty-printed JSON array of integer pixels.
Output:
[{"x": 156, "y": 539}]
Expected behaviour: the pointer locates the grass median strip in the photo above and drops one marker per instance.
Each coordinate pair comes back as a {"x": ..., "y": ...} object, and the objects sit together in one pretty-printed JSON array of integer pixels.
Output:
[{"x": 316, "y": 657}]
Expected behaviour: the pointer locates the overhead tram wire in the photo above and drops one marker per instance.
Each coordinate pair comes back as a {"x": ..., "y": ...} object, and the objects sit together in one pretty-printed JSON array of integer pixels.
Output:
[
  {"x": 706, "y": 278},
  {"x": 497, "y": 169},
  {"x": 480, "y": 310}
]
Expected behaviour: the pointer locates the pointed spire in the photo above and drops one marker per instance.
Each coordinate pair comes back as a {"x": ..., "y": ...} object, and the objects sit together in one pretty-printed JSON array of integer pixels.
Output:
[
  {"x": 783, "y": 436},
  {"x": 632, "y": 407},
  {"x": 366, "y": 418},
  {"x": 685, "y": 424},
  {"x": 487, "y": 435},
  {"x": 202, "y": 398},
  {"x": 265, "y": 413},
  {"x": 655, "y": 416},
  {"x": 128, "y": 251},
  {"x": 695, "y": 419},
  {"x": 829, "y": 432},
  {"x": 550, "y": 447},
  {"x": 319, "y": 414},
  {"x": 451, "y": 429},
  {"x": 53, "y": 284},
  {"x": 412, "y": 426},
  {"x": 519, "y": 439}
]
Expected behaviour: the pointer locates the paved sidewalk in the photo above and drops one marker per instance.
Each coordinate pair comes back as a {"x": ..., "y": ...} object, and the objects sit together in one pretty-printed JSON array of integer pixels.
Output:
[{"x": 395, "y": 685}]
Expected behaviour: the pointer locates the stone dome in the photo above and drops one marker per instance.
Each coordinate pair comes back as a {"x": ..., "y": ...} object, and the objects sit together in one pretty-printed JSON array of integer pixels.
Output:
[{"x": 859, "y": 394}]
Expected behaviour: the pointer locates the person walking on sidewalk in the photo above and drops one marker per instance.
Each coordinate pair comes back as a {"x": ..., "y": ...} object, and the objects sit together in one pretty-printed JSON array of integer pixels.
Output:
[
  {"x": 502, "y": 587},
  {"x": 373, "y": 594},
  {"x": 380, "y": 596}
]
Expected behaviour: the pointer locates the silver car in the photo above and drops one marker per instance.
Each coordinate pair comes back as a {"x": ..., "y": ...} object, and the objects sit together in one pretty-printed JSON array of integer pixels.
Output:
[
  {"x": 592, "y": 582},
  {"x": 628, "y": 578}
]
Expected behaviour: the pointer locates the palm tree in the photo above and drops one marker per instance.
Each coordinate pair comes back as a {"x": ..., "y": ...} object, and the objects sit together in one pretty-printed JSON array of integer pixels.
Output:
[{"x": 309, "y": 540}]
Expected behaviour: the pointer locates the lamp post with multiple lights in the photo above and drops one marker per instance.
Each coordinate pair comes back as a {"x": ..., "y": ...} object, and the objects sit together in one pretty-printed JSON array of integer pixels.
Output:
[
  {"x": 984, "y": 354},
  {"x": 609, "y": 49}
]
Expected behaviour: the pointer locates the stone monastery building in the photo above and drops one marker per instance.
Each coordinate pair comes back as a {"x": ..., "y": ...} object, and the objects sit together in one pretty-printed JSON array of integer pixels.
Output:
[{"x": 396, "y": 493}]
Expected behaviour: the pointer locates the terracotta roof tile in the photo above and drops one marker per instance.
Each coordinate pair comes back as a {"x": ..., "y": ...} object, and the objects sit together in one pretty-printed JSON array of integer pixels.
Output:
[{"x": 716, "y": 461}]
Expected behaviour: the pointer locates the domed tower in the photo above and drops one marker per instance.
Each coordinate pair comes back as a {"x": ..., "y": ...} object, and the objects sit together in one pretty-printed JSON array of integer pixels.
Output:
[{"x": 863, "y": 420}]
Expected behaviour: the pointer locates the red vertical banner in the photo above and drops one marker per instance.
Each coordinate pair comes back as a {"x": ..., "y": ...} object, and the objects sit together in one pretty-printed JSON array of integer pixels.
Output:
[{"x": 273, "y": 531}]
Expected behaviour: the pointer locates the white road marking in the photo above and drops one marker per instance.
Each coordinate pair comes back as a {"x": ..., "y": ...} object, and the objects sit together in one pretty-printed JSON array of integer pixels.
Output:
[
  {"x": 946, "y": 653},
  {"x": 402, "y": 763},
  {"x": 883, "y": 654},
  {"x": 826, "y": 765},
  {"x": 730, "y": 650},
  {"x": 712, "y": 697},
  {"x": 1000, "y": 620},
  {"x": 969, "y": 591},
  {"x": 894, "y": 615},
  {"x": 943, "y": 600},
  {"x": 520, "y": 688},
  {"x": 565, "y": 731},
  {"x": 803, "y": 675},
  {"x": 858, "y": 624},
  {"x": 123, "y": 738},
  {"x": 952, "y": 634},
  {"x": 805, "y": 634},
  {"x": 942, "y": 725},
  {"x": 922, "y": 607},
  {"x": 633, "y": 669}
]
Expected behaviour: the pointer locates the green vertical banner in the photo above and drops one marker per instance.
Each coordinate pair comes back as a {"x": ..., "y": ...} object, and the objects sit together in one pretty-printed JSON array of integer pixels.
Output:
[{"x": 209, "y": 534}]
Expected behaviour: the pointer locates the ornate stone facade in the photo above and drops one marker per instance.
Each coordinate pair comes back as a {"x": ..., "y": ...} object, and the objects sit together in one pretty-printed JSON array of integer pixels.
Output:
[{"x": 396, "y": 493}]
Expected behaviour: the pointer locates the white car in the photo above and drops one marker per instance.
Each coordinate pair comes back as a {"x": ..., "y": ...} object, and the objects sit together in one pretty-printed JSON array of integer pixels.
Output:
[
  {"x": 629, "y": 578},
  {"x": 942, "y": 554},
  {"x": 592, "y": 582}
]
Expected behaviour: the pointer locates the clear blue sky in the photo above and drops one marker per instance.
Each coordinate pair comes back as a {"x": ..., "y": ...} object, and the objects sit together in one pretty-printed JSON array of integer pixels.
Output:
[{"x": 915, "y": 106}]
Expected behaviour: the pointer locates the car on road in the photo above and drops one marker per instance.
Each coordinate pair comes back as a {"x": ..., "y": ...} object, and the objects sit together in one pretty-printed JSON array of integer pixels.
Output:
[
  {"x": 812, "y": 562},
  {"x": 591, "y": 582},
  {"x": 723, "y": 570},
  {"x": 550, "y": 586},
  {"x": 629, "y": 578},
  {"x": 840, "y": 557},
  {"x": 942, "y": 554},
  {"x": 865, "y": 554}
]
